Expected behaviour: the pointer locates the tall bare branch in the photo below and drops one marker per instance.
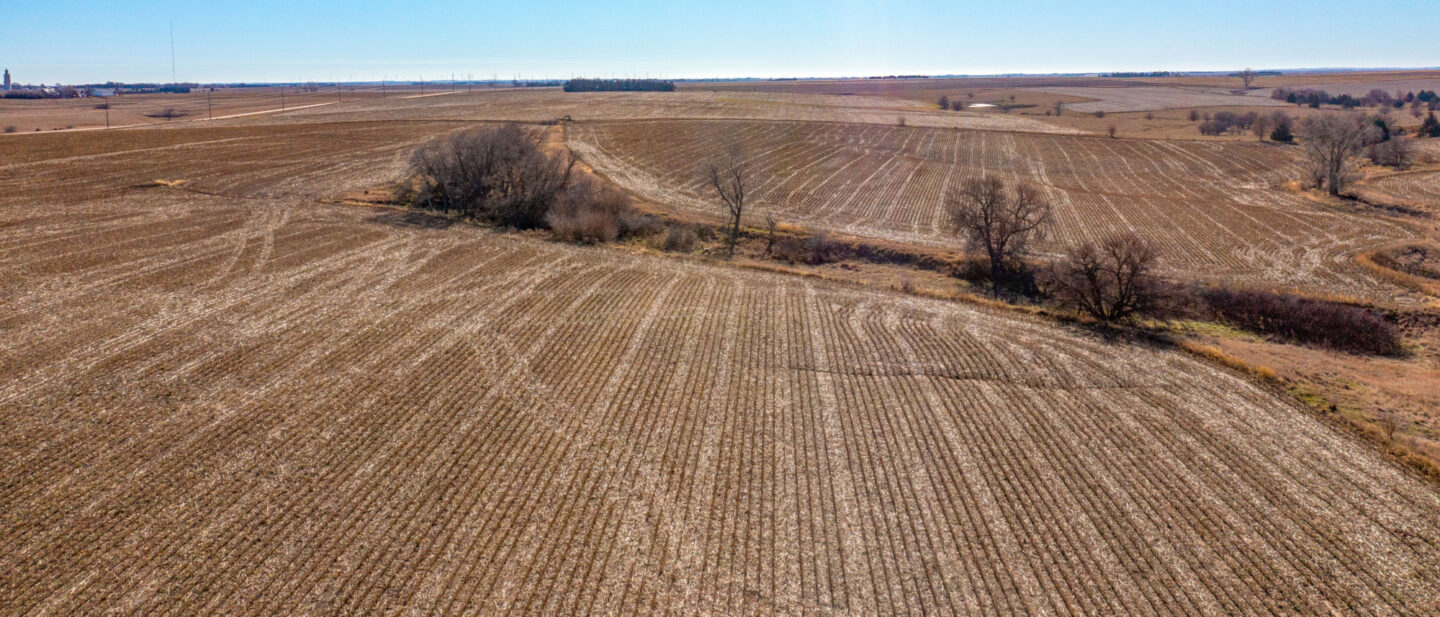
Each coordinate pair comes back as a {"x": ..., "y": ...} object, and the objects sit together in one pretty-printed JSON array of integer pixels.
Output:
[{"x": 730, "y": 175}]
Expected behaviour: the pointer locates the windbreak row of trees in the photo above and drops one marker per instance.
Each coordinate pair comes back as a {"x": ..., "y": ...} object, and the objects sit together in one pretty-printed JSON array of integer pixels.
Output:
[
  {"x": 1131, "y": 74},
  {"x": 1376, "y": 98},
  {"x": 1116, "y": 278},
  {"x": 1335, "y": 145},
  {"x": 619, "y": 85}
]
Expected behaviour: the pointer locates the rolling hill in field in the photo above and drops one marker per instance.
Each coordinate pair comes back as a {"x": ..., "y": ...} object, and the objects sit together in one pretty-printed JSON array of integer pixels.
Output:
[
  {"x": 1216, "y": 210},
  {"x": 222, "y": 395}
]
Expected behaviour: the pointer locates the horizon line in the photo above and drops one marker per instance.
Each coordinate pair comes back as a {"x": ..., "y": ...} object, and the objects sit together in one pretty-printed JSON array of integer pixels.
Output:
[{"x": 1177, "y": 73}]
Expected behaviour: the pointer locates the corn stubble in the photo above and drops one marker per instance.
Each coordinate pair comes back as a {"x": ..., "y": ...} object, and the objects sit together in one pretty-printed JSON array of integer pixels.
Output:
[
  {"x": 222, "y": 397},
  {"x": 1213, "y": 210}
]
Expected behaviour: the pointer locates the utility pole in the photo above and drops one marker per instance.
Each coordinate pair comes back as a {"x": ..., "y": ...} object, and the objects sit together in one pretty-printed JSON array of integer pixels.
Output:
[
  {"x": 282, "y": 98},
  {"x": 382, "y": 87},
  {"x": 469, "y": 83},
  {"x": 422, "y": 86},
  {"x": 107, "y": 114},
  {"x": 339, "y": 92},
  {"x": 209, "y": 103}
]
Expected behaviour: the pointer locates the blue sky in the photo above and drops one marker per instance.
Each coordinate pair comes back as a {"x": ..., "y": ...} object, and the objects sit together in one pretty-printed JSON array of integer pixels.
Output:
[{"x": 322, "y": 40}]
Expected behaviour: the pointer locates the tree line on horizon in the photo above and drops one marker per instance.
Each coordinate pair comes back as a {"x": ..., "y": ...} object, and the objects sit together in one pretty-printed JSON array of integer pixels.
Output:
[{"x": 619, "y": 85}]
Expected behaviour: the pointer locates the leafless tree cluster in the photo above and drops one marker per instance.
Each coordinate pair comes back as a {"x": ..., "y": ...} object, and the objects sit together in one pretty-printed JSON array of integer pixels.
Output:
[
  {"x": 500, "y": 175},
  {"x": 999, "y": 221},
  {"x": 1333, "y": 144},
  {"x": 1227, "y": 121},
  {"x": 1111, "y": 281},
  {"x": 1396, "y": 152}
]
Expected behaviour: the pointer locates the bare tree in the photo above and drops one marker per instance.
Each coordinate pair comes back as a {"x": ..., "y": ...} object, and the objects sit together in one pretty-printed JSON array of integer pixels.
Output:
[
  {"x": 1333, "y": 144},
  {"x": 1395, "y": 152},
  {"x": 1111, "y": 281},
  {"x": 1000, "y": 222},
  {"x": 1247, "y": 76},
  {"x": 1059, "y": 107},
  {"x": 1260, "y": 126},
  {"x": 731, "y": 175},
  {"x": 944, "y": 103},
  {"x": 770, "y": 224}
]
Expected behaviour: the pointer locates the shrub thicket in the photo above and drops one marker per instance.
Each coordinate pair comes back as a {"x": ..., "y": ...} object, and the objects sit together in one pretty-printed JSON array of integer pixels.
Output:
[
  {"x": 588, "y": 212},
  {"x": 680, "y": 238},
  {"x": 1304, "y": 320},
  {"x": 499, "y": 175}
]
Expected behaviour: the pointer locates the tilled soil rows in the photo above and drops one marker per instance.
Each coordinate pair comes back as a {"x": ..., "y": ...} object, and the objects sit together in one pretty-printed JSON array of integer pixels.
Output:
[
  {"x": 1215, "y": 210},
  {"x": 241, "y": 401}
]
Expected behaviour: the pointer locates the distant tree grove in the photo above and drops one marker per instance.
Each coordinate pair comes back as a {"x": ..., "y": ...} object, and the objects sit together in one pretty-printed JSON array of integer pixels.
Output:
[
  {"x": 1375, "y": 98},
  {"x": 619, "y": 85}
]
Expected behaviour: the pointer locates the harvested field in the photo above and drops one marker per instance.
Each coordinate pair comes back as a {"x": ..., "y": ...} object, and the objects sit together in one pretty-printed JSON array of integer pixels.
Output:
[
  {"x": 246, "y": 402},
  {"x": 1146, "y": 98},
  {"x": 241, "y": 162},
  {"x": 926, "y": 91},
  {"x": 1416, "y": 189},
  {"x": 534, "y": 105},
  {"x": 1210, "y": 206},
  {"x": 148, "y": 109}
]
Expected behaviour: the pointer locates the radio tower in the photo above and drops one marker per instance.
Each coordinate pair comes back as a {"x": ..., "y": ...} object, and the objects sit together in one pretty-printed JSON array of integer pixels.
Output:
[{"x": 172, "y": 52}]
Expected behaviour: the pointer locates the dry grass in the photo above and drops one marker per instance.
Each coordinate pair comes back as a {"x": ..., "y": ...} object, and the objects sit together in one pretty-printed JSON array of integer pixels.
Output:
[
  {"x": 1375, "y": 263},
  {"x": 1218, "y": 356},
  {"x": 1355, "y": 391}
]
